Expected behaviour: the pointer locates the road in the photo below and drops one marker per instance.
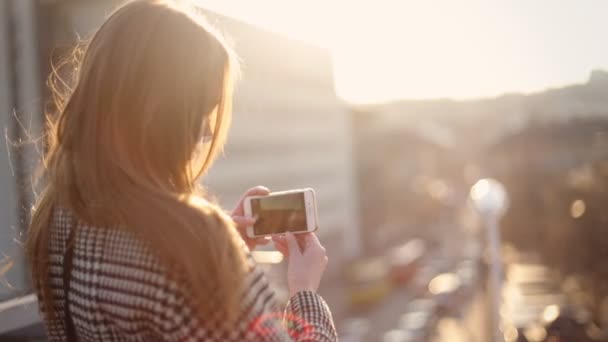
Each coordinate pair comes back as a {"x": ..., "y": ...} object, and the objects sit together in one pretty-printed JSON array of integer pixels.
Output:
[
  {"x": 372, "y": 323},
  {"x": 471, "y": 328}
]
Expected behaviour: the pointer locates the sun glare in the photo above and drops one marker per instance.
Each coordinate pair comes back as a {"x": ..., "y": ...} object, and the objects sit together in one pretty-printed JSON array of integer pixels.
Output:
[{"x": 386, "y": 50}]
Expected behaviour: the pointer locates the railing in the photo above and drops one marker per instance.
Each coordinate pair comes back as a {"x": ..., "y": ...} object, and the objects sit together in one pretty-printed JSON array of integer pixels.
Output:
[{"x": 18, "y": 313}]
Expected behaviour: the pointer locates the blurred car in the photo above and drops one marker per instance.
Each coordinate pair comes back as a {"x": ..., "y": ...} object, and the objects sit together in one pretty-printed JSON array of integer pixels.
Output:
[
  {"x": 398, "y": 335},
  {"x": 445, "y": 289},
  {"x": 424, "y": 275},
  {"x": 404, "y": 261},
  {"x": 368, "y": 281},
  {"x": 419, "y": 319},
  {"x": 355, "y": 330}
]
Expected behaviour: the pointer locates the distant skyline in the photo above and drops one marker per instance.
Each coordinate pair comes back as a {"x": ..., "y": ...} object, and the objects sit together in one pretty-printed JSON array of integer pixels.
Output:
[{"x": 386, "y": 50}]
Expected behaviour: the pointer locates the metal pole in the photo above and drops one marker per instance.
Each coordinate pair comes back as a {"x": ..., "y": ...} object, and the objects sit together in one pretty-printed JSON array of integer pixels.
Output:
[
  {"x": 28, "y": 109},
  {"x": 495, "y": 276},
  {"x": 490, "y": 200},
  {"x": 8, "y": 190},
  {"x": 21, "y": 117}
]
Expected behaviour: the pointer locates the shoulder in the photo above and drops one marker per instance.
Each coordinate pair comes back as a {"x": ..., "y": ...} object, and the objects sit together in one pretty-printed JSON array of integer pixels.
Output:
[{"x": 113, "y": 252}]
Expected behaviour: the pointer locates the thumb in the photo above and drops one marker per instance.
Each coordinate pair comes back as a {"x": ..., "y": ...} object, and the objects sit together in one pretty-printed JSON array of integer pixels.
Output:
[{"x": 292, "y": 244}]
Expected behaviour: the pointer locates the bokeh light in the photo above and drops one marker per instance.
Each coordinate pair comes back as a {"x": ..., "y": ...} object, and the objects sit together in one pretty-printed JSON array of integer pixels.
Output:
[{"x": 577, "y": 209}]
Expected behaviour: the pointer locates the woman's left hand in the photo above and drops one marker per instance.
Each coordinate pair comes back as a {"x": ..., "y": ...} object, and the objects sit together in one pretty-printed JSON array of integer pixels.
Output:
[{"x": 242, "y": 222}]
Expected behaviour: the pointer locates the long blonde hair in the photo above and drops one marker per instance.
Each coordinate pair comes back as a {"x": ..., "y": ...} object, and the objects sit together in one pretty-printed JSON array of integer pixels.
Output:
[{"x": 154, "y": 80}]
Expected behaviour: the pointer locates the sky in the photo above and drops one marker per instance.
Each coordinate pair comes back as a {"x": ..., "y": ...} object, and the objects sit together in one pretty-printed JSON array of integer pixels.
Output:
[{"x": 400, "y": 49}]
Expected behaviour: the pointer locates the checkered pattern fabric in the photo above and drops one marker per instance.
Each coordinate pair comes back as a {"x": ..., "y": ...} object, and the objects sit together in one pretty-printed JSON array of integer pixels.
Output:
[{"x": 119, "y": 292}]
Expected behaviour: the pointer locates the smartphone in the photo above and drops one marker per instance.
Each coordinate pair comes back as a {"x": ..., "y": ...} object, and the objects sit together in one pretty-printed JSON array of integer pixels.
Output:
[{"x": 280, "y": 212}]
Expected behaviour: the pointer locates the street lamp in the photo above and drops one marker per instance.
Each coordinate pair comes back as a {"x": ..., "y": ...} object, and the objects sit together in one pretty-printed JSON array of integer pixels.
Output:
[{"x": 490, "y": 199}]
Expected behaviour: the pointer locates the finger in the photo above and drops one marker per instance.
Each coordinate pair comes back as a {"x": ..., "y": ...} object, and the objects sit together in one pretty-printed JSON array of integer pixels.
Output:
[
  {"x": 303, "y": 239},
  {"x": 311, "y": 241},
  {"x": 255, "y": 191},
  {"x": 279, "y": 239},
  {"x": 292, "y": 244},
  {"x": 282, "y": 247},
  {"x": 259, "y": 190},
  {"x": 262, "y": 241},
  {"x": 280, "y": 242},
  {"x": 244, "y": 220}
]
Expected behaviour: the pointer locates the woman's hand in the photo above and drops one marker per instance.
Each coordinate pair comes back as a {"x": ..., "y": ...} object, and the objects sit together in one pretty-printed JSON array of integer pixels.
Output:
[
  {"x": 242, "y": 222},
  {"x": 306, "y": 263}
]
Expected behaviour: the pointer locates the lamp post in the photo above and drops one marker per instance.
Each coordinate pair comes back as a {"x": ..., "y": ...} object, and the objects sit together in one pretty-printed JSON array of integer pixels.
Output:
[{"x": 490, "y": 200}]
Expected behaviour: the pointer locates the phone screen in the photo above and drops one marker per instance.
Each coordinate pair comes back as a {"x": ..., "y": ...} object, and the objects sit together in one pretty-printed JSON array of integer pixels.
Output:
[{"x": 279, "y": 214}]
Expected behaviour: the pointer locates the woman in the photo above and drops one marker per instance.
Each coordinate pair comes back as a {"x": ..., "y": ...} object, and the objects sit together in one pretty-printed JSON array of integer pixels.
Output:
[{"x": 120, "y": 246}]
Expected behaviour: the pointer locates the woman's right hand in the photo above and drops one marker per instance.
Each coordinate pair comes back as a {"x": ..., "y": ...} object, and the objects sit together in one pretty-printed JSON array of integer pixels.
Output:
[{"x": 307, "y": 261}]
